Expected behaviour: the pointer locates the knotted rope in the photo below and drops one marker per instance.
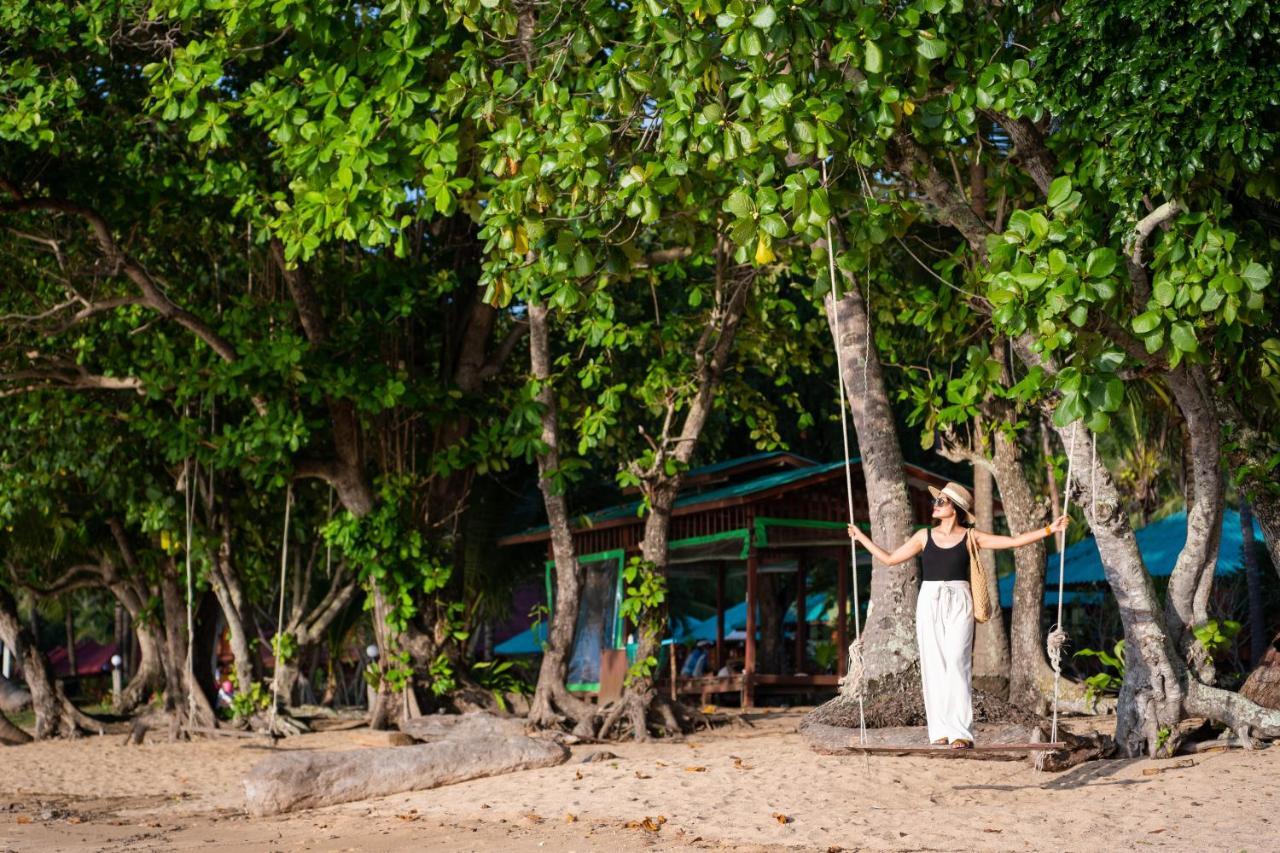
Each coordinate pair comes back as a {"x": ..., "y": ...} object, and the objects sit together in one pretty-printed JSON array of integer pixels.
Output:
[
  {"x": 190, "y": 472},
  {"x": 1058, "y": 637},
  {"x": 279, "y": 644},
  {"x": 854, "y": 675}
]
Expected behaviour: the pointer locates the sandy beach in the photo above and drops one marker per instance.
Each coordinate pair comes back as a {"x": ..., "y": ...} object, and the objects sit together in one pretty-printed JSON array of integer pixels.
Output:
[{"x": 754, "y": 787}]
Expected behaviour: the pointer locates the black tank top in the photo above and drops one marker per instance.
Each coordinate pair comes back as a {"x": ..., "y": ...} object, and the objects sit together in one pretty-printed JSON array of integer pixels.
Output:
[{"x": 945, "y": 564}]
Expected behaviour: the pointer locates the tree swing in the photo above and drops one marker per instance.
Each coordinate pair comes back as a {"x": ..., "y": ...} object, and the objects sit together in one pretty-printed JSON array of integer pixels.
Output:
[{"x": 1057, "y": 638}]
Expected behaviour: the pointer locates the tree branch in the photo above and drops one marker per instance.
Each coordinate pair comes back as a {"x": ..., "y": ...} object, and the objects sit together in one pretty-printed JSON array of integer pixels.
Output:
[
  {"x": 504, "y": 349},
  {"x": 152, "y": 294},
  {"x": 949, "y": 205},
  {"x": 1029, "y": 148},
  {"x": 67, "y": 379}
]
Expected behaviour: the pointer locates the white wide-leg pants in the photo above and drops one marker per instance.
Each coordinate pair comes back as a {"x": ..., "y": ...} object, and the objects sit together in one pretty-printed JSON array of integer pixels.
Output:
[{"x": 944, "y": 631}]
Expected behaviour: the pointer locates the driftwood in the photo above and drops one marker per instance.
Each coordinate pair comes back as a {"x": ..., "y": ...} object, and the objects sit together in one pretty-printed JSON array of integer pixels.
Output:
[
  {"x": 438, "y": 727},
  {"x": 471, "y": 747},
  {"x": 993, "y": 742}
]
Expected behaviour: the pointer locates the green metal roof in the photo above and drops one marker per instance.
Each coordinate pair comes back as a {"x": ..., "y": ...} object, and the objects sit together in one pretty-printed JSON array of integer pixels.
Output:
[
  {"x": 730, "y": 464},
  {"x": 735, "y": 490}
]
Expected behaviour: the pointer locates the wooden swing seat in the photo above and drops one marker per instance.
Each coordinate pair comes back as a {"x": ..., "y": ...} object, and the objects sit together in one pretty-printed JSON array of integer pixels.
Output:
[{"x": 977, "y": 748}]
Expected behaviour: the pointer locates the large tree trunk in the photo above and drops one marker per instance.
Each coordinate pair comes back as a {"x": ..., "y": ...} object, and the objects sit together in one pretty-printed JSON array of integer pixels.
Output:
[
  {"x": 184, "y": 700},
  {"x": 55, "y": 715},
  {"x": 308, "y": 625},
  {"x": 1191, "y": 582},
  {"x": 990, "y": 640},
  {"x": 227, "y": 587},
  {"x": 640, "y": 700},
  {"x": 1263, "y": 684},
  {"x": 889, "y": 654},
  {"x": 552, "y": 703},
  {"x": 1030, "y": 676},
  {"x": 132, "y": 593}
]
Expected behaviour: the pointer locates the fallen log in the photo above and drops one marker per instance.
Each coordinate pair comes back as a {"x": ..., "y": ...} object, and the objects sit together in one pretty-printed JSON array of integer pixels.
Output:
[
  {"x": 471, "y": 747},
  {"x": 437, "y": 727}
]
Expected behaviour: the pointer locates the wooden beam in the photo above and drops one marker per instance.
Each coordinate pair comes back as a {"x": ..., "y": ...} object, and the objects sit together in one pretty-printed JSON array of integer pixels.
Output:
[
  {"x": 801, "y": 612},
  {"x": 720, "y": 659},
  {"x": 749, "y": 661}
]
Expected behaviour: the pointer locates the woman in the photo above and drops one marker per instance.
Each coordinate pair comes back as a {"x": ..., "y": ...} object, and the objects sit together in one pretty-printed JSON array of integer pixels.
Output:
[{"x": 944, "y": 610}]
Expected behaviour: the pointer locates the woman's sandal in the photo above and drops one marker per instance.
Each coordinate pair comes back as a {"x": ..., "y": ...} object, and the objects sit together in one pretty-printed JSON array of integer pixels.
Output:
[{"x": 961, "y": 743}]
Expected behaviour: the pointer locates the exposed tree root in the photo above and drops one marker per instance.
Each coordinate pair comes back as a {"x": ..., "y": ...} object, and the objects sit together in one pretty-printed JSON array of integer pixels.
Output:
[{"x": 10, "y": 734}]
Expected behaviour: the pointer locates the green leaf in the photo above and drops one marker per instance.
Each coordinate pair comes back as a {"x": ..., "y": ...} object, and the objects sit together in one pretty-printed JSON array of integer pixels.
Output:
[
  {"x": 1146, "y": 322},
  {"x": 1256, "y": 276},
  {"x": 739, "y": 204},
  {"x": 773, "y": 225},
  {"x": 765, "y": 18},
  {"x": 931, "y": 47},
  {"x": 1101, "y": 262},
  {"x": 873, "y": 60},
  {"x": 1059, "y": 191},
  {"x": 1184, "y": 337},
  {"x": 1113, "y": 394}
]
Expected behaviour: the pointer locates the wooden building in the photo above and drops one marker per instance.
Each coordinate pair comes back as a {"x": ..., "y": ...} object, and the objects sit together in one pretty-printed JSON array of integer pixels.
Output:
[{"x": 768, "y": 513}]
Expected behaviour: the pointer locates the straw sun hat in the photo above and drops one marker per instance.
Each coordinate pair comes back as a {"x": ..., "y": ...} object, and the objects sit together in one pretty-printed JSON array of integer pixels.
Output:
[{"x": 961, "y": 497}]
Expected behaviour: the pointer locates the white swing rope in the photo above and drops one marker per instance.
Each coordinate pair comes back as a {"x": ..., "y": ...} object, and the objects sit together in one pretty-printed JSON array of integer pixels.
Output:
[
  {"x": 855, "y": 672},
  {"x": 284, "y": 568},
  {"x": 189, "y": 472},
  {"x": 1058, "y": 637}
]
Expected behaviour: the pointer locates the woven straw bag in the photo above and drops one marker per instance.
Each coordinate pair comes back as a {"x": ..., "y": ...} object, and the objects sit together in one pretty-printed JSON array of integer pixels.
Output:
[{"x": 978, "y": 581}]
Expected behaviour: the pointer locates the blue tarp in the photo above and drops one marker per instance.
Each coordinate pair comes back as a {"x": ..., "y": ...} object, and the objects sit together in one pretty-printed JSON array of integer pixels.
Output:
[
  {"x": 524, "y": 643},
  {"x": 1160, "y": 543},
  {"x": 735, "y": 619},
  {"x": 817, "y": 605}
]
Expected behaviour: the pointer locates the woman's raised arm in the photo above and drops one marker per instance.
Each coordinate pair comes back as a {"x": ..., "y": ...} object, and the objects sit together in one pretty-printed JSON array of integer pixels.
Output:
[
  {"x": 996, "y": 542},
  {"x": 904, "y": 552}
]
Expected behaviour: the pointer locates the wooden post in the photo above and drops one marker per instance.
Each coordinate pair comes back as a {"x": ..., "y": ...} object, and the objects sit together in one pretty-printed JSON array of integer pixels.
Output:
[
  {"x": 70, "y": 625},
  {"x": 671, "y": 656},
  {"x": 749, "y": 659},
  {"x": 842, "y": 613},
  {"x": 720, "y": 658},
  {"x": 802, "y": 612}
]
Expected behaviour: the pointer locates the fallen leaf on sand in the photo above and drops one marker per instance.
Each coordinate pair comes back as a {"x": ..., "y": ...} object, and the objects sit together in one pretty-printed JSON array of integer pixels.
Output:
[
  {"x": 661, "y": 764},
  {"x": 532, "y": 817},
  {"x": 649, "y": 824},
  {"x": 1156, "y": 831},
  {"x": 24, "y": 818},
  {"x": 569, "y": 817},
  {"x": 835, "y": 848},
  {"x": 577, "y": 774},
  {"x": 695, "y": 769},
  {"x": 740, "y": 764},
  {"x": 407, "y": 816},
  {"x": 74, "y": 819},
  {"x": 640, "y": 775},
  {"x": 782, "y": 818},
  {"x": 991, "y": 829}
]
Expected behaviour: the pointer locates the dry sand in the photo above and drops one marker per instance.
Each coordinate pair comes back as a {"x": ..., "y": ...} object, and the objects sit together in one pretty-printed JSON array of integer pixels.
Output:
[{"x": 739, "y": 788}]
